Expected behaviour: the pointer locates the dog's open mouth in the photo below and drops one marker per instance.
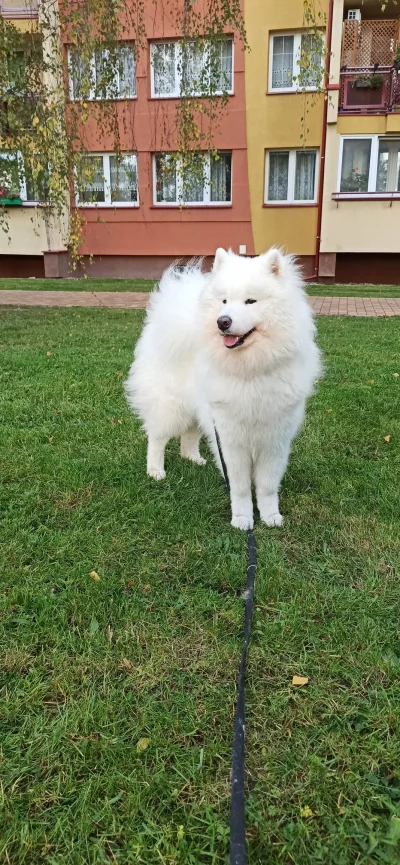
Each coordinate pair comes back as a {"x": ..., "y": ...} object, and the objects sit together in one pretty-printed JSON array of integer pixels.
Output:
[{"x": 233, "y": 341}]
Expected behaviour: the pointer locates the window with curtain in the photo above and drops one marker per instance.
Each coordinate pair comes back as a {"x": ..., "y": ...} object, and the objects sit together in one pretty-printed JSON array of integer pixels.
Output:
[
  {"x": 291, "y": 176},
  {"x": 108, "y": 74},
  {"x": 179, "y": 69},
  {"x": 355, "y": 165},
  {"x": 206, "y": 180},
  {"x": 17, "y": 181},
  {"x": 388, "y": 169},
  {"x": 295, "y": 61},
  {"x": 282, "y": 62},
  {"x": 108, "y": 179}
]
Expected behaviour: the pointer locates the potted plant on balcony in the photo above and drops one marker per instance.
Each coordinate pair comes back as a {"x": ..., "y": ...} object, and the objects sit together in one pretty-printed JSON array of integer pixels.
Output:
[
  {"x": 370, "y": 82},
  {"x": 10, "y": 195}
]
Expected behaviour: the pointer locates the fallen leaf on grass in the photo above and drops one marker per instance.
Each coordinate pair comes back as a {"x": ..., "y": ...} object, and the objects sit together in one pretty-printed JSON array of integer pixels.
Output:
[
  {"x": 119, "y": 374},
  {"x": 130, "y": 584},
  {"x": 387, "y": 438},
  {"x": 372, "y": 381},
  {"x": 94, "y": 626},
  {"x": 94, "y": 575},
  {"x": 48, "y": 353},
  {"x": 300, "y": 680},
  {"x": 396, "y": 374},
  {"x": 142, "y": 744},
  {"x": 306, "y": 811},
  {"x": 126, "y": 664},
  {"x": 330, "y": 410}
]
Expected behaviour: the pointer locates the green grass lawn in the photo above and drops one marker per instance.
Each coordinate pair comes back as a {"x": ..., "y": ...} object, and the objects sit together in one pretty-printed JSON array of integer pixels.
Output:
[
  {"x": 147, "y": 285},
  {"x": 77, "y": 284},
  {"x": 149, "y": 651},
  {"x": 354, "y": 290}
]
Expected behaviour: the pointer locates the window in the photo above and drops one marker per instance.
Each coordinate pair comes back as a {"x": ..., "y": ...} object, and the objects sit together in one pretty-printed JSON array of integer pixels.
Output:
[
  {"x": 285, "y": 70},
  {"x": 291, "y": 176},
  {"x": 208, "y": 179},
  {"x": 108, "y": 179},
  {"x": 108, "y": 74},
  {"x": 369, "y": 164},
  {"x": 183, "y": 69},
  {"x": 16, "y": 180}
]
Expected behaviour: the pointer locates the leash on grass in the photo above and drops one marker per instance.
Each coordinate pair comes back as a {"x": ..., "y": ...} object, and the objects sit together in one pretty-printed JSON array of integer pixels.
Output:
[{"x": 238, "y": 854}]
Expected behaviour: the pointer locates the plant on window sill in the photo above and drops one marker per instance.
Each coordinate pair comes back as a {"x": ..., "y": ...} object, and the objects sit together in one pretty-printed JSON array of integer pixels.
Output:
[{"x": 355, "y": 182}]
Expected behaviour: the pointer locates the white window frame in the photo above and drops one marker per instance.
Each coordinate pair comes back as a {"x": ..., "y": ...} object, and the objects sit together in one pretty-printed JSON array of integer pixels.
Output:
[
  {"x": 292, "y": 151},
  {"x": 91, "y": 96},
  {"x": 295, "y": 88},
  {"x": 178, "y": 72},
  {"x": 179, "y": 202},
  {"x": 32, "y": 202},
  {"x": 107, "y": 184},
  {"x": 373, "y": 167}
]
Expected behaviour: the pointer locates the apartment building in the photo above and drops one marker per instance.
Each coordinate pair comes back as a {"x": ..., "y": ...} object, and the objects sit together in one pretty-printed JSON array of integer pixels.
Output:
[{"x": 317, "y": 173}]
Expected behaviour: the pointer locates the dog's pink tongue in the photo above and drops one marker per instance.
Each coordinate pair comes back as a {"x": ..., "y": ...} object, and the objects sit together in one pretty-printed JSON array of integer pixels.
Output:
[{"x": 229, "y": 340}]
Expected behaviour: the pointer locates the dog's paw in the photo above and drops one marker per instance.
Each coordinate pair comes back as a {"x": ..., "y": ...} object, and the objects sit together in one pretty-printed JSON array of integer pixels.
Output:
[
  {"x": 157, "y": 474},
  {"x": 273, "y": 519},
  {"x": 198, "y": 460},
  {"x": 240, "y": 522}
]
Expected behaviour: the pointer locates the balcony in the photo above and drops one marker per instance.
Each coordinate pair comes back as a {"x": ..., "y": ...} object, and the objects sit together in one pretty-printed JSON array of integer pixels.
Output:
[
  {"x": 370, "y": 67},
  {"x": 19, "y": 8}
]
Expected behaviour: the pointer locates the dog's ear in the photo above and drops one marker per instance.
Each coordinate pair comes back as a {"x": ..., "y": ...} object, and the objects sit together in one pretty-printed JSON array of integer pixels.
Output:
[
  {"x": 221, "y": 255},
  {"x": 273, "y": 261}
]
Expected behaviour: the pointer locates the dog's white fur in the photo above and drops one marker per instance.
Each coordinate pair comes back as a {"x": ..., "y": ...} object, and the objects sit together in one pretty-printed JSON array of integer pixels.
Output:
[{"x": 184, "y": 379}]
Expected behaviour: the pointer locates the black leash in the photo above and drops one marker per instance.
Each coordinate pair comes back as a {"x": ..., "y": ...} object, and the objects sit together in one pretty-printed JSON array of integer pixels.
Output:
[{"x": 238, "y": 854}]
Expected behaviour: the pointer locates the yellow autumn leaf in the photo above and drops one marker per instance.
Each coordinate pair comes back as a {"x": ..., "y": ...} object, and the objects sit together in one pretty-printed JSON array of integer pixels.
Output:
[
  {"x": 306, "y": 811},
  {"x": 300, "y": 681},
  {"x": 387, "y": 438},
  {"x": 372, "y": 381},
  {"x": 330, "y": 410},
  {"x": 142, "y": 744},
  {"x": 396, "y": 374},
  {"x": 35, "y": 121},
  {"x": 94, "y": 575},
  {"x": 48, "y": 353}
]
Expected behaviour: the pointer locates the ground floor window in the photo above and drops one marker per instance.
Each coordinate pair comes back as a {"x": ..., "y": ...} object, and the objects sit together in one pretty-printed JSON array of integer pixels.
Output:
[
  {"x": 108, "y": 179},
  {"x": 202, "y": 179},
  {"x": 291, "y": 176},
  {"x": 369, "y": 163}
]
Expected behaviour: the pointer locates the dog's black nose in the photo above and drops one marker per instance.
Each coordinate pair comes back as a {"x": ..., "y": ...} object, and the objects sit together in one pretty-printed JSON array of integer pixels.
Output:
[{"x": 224, "y": 322}]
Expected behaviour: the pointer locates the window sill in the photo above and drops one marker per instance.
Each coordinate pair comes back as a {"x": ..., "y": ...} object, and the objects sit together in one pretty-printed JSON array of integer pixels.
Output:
[
  {"x": 192, "y": 96},
  {"x": 98, "y": 99},
  {"x": 281, "y": 91},
  {"x": 290, "y": 204},
  {"x": 190, "y": 206},
  {"x": 121, "y": 205},
  {"x": 366, "y": 196}
]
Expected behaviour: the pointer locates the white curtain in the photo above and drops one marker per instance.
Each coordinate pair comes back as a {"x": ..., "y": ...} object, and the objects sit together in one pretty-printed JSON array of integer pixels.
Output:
[
  {"x": 165, "y": 179},
  {"x": 278, "y": 176},
  {"x": 304, "y": 187},
  {"x": 220, "y": 177},
  {"x": 92, "y": 188},
  {"x": 355, "y": 165},
  {"x": 282, "y": 61},
  {"x": 123, "y": 177},
  {"x": 126, "y": 71},
  {"x": 164, "y": 68}
]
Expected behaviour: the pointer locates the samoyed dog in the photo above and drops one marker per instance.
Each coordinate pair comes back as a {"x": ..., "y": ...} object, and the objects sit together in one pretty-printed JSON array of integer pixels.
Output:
[{"x": 232, "y": 351}]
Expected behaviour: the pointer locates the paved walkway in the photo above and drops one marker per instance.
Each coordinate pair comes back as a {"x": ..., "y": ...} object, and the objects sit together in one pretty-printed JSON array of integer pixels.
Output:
[{"x": 370, "y": 307}]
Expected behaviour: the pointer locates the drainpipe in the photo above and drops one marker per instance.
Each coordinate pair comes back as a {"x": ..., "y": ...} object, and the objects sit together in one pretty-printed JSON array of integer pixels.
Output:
[{"x": 327, "y": 88}]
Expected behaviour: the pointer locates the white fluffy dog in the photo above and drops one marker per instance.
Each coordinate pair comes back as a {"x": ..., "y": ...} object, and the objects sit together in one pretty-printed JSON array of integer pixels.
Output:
[{"x": 235, "y": 350}]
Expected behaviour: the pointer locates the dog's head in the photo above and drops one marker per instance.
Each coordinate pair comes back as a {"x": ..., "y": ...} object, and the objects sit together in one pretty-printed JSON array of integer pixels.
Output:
[{"x": 250, "y": 307}]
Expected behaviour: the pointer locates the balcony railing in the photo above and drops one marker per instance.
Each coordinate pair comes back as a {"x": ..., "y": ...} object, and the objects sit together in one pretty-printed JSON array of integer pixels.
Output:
[
  {"x": 370, "y": 90},
  {"x": 366, "y": 43}
]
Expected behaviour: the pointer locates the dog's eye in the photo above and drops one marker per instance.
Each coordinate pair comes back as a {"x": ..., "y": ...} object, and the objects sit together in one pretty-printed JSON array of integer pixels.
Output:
[
  {"x": 224, "y": 301},
  {"x": 250, "y": 300}
]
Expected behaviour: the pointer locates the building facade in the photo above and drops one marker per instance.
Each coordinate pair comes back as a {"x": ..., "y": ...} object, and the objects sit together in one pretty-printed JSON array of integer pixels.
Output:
[{"x": 316, "y": 173}]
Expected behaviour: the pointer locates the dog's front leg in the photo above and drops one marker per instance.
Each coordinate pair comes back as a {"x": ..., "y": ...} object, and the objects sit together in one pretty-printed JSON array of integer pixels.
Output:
[{"x": 238, "y": 464}]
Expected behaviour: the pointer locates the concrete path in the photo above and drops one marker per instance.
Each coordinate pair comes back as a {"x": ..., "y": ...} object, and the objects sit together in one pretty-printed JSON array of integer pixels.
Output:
[{"x": 370, "y": 307}]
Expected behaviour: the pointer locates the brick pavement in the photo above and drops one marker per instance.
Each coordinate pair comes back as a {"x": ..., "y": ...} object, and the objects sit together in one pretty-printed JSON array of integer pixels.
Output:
[{"x": 370, "y": 307}]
